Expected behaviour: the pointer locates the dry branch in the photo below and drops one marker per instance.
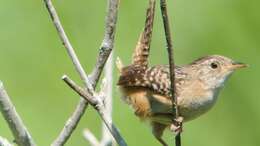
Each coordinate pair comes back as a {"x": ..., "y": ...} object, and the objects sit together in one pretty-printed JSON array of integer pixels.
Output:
[
  {"x": 4, "y": 142},
  {"x": 172, "y": 67},
  {"x": 106, "y": 91},
  {"x": 99, "y": 106},
  {"x": 106, "y": 139},
  {"x": 73, "y": 121},
  {"x": 19, "y": 131},
  {"x": 91, "y": 138},
  {"x": 89, "y": 95}
]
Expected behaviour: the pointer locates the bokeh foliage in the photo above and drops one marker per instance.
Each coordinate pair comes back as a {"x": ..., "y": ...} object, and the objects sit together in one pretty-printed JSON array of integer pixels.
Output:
[{"x": 32, "y": 61}]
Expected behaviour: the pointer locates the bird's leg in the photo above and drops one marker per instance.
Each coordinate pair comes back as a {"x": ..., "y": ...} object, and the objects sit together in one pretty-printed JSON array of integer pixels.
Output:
[
  {"x": 176, "y": 126},
  {"x": 158, "y": 132}
]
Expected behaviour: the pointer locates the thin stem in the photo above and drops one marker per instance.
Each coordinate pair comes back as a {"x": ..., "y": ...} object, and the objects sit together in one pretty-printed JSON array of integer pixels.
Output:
[
  {"x": 172, "y": 67},
  {"x": 99, "y": 106},
  {"x": 67, "y": 44},
  {"x": 108, "y": 41},
  {"x": 71, "y": 124},
  {"x": 19, "y": 131},
  {"x": 80, "y": 109},
  {"x": 106, "y": 95},
  {"x": 91, "y": 138},
  {"x": 105, "y": 50},
  {"x": 4, "y": 142},
  {"x": 106, "y": 139}
]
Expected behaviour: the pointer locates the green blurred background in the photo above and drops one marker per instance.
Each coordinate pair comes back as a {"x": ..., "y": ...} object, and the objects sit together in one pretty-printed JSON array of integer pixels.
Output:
[{"x": 32, "y": 60}]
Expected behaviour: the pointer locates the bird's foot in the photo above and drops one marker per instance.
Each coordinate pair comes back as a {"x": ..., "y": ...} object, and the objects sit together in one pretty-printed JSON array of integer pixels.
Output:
[{"x": 176, "y": 126}]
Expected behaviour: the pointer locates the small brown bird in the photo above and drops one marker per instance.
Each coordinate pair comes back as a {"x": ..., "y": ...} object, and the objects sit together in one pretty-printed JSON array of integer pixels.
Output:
[{"x": 147, "y": 89}]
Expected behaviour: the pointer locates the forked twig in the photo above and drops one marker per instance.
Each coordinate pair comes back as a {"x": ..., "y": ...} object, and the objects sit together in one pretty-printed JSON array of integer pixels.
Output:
[
  {"x": 80, "y": 109},
  {"x": 90, "y": 84},
  {"x": 99, "y": 106},
  {"x": 172, "y": 67},
  {"x": 19, "y": 131},
  {"x": 105, "y": 91}
]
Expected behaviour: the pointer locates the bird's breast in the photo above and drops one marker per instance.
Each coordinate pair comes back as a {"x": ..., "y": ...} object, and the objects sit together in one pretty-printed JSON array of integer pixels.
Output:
[
  {"x": 192, "y": 106},
  {"x": 195, "y": 100}
]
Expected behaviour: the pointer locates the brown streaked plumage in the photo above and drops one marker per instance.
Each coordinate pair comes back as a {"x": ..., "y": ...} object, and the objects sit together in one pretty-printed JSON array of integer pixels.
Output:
[
  {"x": 147, "y": 89},
  {"x": 140, "y": 56}
]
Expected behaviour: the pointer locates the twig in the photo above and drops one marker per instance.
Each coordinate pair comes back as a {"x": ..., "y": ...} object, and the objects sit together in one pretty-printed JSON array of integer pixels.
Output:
[
  {"x": 108, "y": 41},
  {"x": 105, "y": 50},
  {"x": 99, "y": 106},
  {"x": 71, "y": 124},
  {"x": 81, "y": 91},
  {"x": 172, "y": 67},
  {"x": 19, "y": 131},
  {"x": 4, "y": 142},
  {"x": 67, "y": 44},
  {"x": 106, "y": 95},
  {"x": 80, "y": 109},
  {"x": 91, "y": 138},
  {"x": 106, "y": 139}
]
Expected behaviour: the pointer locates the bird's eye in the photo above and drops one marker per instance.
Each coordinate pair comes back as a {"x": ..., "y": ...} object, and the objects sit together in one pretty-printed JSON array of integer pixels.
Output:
[{"x": 214, "y": 65}]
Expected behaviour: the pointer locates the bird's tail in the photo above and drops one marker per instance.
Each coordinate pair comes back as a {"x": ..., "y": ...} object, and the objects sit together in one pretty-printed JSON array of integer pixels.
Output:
[{"x": 141, "y": 53}]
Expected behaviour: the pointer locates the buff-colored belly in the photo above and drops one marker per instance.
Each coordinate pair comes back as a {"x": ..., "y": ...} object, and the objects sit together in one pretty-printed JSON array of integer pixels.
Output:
[
  {"x": 193, "y": 109},
  {"x": 158, "y": 108},
  {"x": 189, "y": 109}
]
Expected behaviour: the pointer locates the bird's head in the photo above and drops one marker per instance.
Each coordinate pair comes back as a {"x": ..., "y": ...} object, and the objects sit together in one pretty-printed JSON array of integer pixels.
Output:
[{"x": 214, "y": 70}]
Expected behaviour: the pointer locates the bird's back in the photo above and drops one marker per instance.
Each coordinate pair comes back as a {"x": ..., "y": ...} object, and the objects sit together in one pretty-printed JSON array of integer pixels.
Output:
[
  {"x": 148, "y": 89},
  {"x": 156, "y": 78}
]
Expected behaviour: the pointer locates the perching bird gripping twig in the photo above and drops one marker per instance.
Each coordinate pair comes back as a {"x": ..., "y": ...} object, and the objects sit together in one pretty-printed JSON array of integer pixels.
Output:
[{"x": 172, "y": 70}]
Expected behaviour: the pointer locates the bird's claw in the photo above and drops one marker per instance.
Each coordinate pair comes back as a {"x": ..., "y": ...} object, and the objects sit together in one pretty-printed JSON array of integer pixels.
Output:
[{"x": 176, "y": 127}]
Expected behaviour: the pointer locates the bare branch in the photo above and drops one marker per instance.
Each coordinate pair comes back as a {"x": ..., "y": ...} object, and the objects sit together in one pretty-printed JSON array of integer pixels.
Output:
[
  {"x": 108, "y": 41},
  {"x": 81, "y": 92},
  {"x": 105, "y": 50},
  {"x": 4, "y": 142},
  {"x": 106, "y": 95},
  {"x": 71, "y": 124},
  {"x": 91, "y": 138},
  {"x": 73, "y": 121},
  {"x": 19, "y": 131},
  {"x": 172, "y": 67},
  {"x": 99, "y": 106},
  {"x": 67, "y": 44},
  {"x": 106, "y": 139}
]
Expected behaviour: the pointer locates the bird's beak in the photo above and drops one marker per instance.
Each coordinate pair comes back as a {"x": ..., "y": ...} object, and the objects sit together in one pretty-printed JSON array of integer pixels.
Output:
[{"x": 237, "y": 65}]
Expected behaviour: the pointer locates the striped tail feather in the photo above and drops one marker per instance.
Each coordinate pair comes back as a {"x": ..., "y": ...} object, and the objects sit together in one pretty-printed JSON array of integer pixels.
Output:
[{"x": 141, "y": 53}]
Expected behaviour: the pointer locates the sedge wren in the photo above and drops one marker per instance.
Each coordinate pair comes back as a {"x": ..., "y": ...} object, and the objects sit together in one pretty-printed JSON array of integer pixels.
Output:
[{"x": 147, "y": 89}]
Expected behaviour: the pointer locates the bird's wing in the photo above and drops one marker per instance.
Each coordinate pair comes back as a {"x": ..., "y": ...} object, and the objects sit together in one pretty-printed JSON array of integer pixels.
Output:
[{"x": 155, "y": 78}]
